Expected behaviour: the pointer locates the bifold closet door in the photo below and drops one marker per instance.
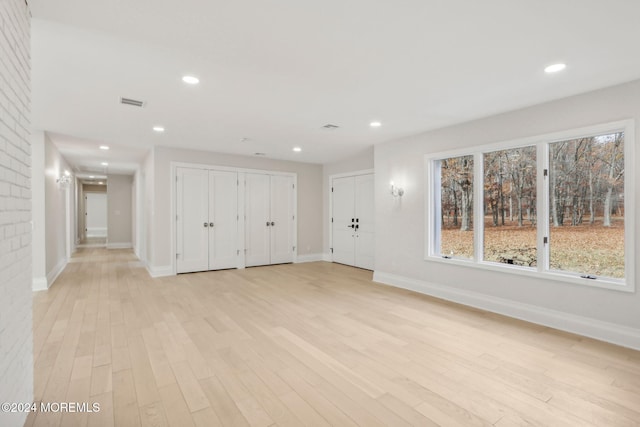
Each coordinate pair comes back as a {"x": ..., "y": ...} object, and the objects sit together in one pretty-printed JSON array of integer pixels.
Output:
[
  {"x": 268, "y": 219},
  {"x": 192, "y": 209},
  {"x": 223, "y": 220},
  {"x": 281, "y": 225},
  {"x": 206, "y": 220},
  {"x": 257, "y": 219}
]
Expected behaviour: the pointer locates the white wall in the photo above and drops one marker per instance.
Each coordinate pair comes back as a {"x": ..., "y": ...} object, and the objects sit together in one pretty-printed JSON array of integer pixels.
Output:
[
  {"x": 16, "y": 334},
  {"x": 400, "y": 223},
  {"x": 119, "y": 212},
  {"x": 147, "y": 177},
  {"x": 38, "y": 219},
  {"x": 309, "y": 198},
  {"x": 134, "y": 212},
  {"x": 359, "y": 162},
  {"x": 57, "y": 201}
]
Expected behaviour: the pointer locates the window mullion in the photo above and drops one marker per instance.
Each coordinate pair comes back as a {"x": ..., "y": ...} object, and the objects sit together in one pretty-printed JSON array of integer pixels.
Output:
[
  {"x": 435, "y": 202},
  {"x": 542, "y": 205},
  {"x": 478, "y": 201}
]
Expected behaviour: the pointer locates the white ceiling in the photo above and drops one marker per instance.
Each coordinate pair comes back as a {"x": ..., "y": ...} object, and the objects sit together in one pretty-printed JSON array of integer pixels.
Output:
[{"x": 276, "y": 71}]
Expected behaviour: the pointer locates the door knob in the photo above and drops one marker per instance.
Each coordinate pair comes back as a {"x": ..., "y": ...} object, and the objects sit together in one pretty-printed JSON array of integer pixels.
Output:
[
  {"x": 267, "y": 223},
  {"x": 351, "y": 226},
  {"x": 210, "y": 224},
  {"x": 273, "y": 223},
  {"x": 206, "y": 224}
]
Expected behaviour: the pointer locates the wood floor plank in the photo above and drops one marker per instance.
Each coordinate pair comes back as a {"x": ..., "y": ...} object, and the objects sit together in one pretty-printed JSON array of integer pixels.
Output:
[
  {"x": 191, "y": 390},
  {"x": 223, "y": 404},
  {"x": 176, "y": 409},
  {"x": 306, "y": 344},
  {"x": 125, "y": 404}
]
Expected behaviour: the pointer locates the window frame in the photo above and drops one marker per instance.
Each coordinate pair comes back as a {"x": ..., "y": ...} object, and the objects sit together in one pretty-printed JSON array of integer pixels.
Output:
[{"x": 541, "y": 142}]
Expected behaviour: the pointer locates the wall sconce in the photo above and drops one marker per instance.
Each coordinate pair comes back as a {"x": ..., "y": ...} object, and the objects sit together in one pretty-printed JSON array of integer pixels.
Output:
[
  {"x": 396, "y": 191},
  {"x": 64, "y": 180}
]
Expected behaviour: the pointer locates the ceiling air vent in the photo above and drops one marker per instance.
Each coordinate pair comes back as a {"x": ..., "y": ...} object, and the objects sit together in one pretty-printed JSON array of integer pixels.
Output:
[
  {"x": 134, "y": 102},
  {"x": 330, "y": 126}
]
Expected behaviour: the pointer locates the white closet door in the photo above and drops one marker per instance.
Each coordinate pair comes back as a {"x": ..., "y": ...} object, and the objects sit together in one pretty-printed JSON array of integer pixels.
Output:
[
  {"x": 257, "y": 207},
  {"x": 281, "y": 219},
  {"x": 343, "y": 226},
  {"x": 96, "y": 214},
  {"x": 192, "y": 210},
  {"x": 364, "y": 240},
  {"x": 223, "y": 220}
]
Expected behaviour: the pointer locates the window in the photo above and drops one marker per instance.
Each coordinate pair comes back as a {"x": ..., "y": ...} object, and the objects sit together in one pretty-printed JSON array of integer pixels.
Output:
[
  {"x": 586, "y": 199},
  {"x": 456, "y": 207},
  {"x": 510, "y": 206},
  {"x": 551, "y": 205}
]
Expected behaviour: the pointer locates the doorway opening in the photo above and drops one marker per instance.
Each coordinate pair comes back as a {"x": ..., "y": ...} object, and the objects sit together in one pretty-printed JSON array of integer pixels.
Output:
[{"x": 93, "y": 214}]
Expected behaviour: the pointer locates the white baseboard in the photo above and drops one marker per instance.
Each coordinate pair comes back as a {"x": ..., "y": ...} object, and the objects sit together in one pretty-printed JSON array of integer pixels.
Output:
[
  {"x": 588, "y": 327},
  {"x": 39, "y": 284},
  {"x": 309, "y": 258},
  {"x": 97, "y": 232},
  {"x": 55, "y": 272},
  {"x": 327, "y": 257},
  {"x": 161, "y": 271},
  {"x": 119, "y": 245}
]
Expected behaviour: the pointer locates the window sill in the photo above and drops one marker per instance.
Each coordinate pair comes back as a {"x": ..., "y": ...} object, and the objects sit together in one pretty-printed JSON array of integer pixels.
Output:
[{"x": 533, "y": 272}]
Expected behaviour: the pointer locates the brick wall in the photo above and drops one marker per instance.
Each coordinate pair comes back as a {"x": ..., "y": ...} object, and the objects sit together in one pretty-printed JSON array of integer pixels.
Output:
[{"x": 16, "y": 334}]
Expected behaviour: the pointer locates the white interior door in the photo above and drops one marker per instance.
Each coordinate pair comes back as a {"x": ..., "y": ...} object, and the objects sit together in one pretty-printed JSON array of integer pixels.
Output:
[
  {"x": 223, "y": 220},
  {"x": 257, "y": 219},
  {"x": 281, "y": 209},
  {"x": 343, "y": 215},
  {"x": 96, "y": 214},
  {"x": 192, "y": 222},
  {"x": 364, "y": 237}
]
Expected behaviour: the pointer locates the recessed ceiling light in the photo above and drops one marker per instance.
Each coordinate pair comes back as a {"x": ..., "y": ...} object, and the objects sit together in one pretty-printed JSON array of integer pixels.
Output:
[
  {"x": 192, "y": 80},
  {"x": 100, "y": 182},
  {"x": 104, "y": 147},
  {"x": 555, "y": 68},
  {"x": 91, "y": 176},
  {"x": 297, "y": 149},
  {"x": 375, "y": 124},
  {"x": 158, "y": 128},
  {"x": 104, "y": 164}
]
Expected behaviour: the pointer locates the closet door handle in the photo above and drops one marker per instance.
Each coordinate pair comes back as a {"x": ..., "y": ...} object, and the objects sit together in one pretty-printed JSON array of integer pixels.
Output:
[
  {"x": 267, "y": 223},
  {"x": 206, "y": 224},
  {"x": 211, "y": 224},
  {"x": 273, "y": 223}
]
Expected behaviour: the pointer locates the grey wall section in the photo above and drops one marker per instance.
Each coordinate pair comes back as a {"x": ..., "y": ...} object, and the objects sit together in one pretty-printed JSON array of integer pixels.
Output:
[
  {"x": 359, "y": 162},
  {"x": 309, "y": 196},
  {"x": 119, "y": 211},
  {"x": 400, "y": 225},
  {"x": 16, "y": 333}
]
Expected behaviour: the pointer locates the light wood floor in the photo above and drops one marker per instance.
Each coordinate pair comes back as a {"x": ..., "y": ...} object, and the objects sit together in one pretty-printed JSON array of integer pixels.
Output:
[{"x": 306, "y": 344}]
